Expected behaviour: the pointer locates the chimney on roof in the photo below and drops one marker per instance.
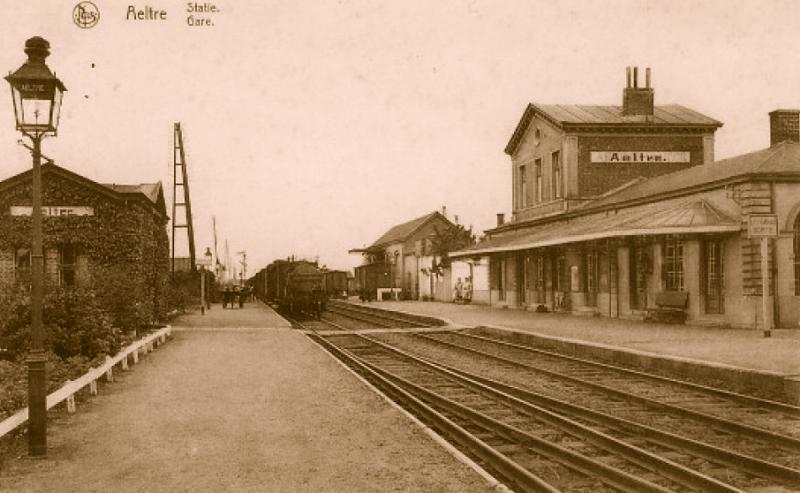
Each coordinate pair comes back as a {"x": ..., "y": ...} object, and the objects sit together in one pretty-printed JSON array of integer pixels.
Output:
[
  {"x": 637, "y": 101},
  {"x": 501, "y": 218},
  {"x": 784, "y": 125},
  {"x": 444, "y": 210}
]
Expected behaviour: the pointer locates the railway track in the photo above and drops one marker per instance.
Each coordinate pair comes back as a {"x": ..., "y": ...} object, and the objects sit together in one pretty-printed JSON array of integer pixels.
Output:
[
  {"x": 535, "y": 442},
  {"x": 376, "y": 317},
  {"x": 560, "y": 451}
]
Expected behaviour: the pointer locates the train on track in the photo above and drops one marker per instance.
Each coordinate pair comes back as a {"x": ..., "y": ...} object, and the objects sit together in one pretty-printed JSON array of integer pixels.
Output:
[{"x": 299, "y": 286}]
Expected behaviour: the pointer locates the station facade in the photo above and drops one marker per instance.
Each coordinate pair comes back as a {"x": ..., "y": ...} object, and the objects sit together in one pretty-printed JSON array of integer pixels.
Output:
[
  {"x": 613, "y": 205},
  {"x": 95, "y": 235}
]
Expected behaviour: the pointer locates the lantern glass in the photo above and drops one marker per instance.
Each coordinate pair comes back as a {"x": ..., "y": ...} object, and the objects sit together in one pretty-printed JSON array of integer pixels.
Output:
[{"x": 37, "y": 104}]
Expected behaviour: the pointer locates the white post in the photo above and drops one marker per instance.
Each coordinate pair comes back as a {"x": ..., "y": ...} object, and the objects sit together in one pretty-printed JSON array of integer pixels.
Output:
[
  {"x": 124, "y": 362},
  {"x": 766, "y": 307},
  {"x": 71, "y": 404},
  {"x": 135, "y": 354},
  {"x": 93, "y": 387}
]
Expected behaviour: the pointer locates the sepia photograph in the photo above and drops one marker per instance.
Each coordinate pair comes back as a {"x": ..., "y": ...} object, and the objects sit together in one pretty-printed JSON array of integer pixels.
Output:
[{"x": 383, "y": 246}]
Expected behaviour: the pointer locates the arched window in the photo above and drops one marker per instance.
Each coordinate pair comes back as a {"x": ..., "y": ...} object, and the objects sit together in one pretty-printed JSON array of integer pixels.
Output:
[{"x": 796, "y": 234}]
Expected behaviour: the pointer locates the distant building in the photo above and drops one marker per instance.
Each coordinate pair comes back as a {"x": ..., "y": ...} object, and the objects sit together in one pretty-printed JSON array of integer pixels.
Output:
[
  {"x": 399, "y": 262},
  {"x": 93, "y": 233},
  {"x": 613, "y": 206}
]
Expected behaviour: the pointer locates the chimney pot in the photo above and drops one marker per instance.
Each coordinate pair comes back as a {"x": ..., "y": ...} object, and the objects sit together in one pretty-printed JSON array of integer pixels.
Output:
[
  {"x": 635, "y": 77},
  {"x": 444, "y": 210},
  {"x": 647, "y": 78},
  {"x": 501, "y": 218},
  {"x": 628, "y": 76},
  {"x": 638, "y": 103},
  {"x": 784, "y": 125}
]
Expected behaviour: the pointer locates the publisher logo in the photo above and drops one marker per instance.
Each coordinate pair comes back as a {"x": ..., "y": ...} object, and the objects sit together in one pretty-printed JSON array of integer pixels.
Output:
[{"x": 85, "y": 15}]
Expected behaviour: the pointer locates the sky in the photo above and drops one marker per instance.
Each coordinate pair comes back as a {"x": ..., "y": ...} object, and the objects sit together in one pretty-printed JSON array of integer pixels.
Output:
[{"x": 311, "y": 127}]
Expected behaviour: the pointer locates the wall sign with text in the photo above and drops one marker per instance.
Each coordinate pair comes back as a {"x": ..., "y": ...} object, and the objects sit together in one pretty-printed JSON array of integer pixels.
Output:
[
  {"x": 53, "y": 210},
  {"x": 640, "y": 156}
]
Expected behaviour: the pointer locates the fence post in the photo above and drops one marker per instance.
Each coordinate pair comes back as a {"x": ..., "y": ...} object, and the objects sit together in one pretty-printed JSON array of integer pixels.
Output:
[
  {"x": 135, "y": 354},
  {"x": 124, "y": 362},
  {"x": 109, "y": 372},
  {"x": 71, "y": 404},
  {"x": 93, "y": 387}
]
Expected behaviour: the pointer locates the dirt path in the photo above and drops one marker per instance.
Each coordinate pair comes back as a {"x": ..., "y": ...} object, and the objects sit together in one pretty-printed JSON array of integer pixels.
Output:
[{"x": 238, "y": 409}]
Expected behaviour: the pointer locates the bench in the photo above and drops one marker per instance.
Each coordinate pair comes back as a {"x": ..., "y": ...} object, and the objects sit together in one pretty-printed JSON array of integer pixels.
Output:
[{"x": 670, "y": 307}]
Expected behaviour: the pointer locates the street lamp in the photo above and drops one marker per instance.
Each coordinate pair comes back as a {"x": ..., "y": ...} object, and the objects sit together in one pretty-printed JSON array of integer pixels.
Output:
[
  {"x": 204, "y": 264},
  {"x": 36, "y": 93}
]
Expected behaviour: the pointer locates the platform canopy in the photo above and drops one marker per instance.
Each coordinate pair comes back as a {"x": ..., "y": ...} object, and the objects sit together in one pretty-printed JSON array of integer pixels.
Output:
[{"x": 694, "y": 216}]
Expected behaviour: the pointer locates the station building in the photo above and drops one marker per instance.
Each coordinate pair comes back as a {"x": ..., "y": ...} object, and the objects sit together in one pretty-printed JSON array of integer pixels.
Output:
[
  {"x": 94, "y": 234},
  {"x": 614, "y": 205},
  {"x": 400, "y": 263}
]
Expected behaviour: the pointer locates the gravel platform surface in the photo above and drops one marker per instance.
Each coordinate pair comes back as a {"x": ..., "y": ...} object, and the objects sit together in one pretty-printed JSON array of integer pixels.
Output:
[{"x": 239, "y": 409}]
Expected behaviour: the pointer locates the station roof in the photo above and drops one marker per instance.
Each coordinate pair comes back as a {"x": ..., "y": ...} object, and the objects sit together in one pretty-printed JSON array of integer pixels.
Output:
[
  {"x": 566, "y": 115},
  {"x": 692, "y": 216},
  {"x": 401, "y": 232},
  {"x": 152, "y": 192}
]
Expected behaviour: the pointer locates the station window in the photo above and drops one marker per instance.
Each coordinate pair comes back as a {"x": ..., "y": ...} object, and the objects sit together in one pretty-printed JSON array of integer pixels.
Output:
[
  {"x": 557, "y": 175},
  {"x": 523, "y": 186},
  {"x": 673, "y": 264},
  {"x": 67, "y": 262},
  {"x": 797, "y": 256},
  {"x": 22, "y": 262},
  {"x": 539, "y": 187}
]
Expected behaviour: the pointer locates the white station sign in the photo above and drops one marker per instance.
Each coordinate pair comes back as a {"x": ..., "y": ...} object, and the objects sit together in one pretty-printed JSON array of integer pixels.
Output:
[
  {"x": 53, "y": 210},
  {"x": 762, "y": 225},
  {"x": 640, "y": 156}
]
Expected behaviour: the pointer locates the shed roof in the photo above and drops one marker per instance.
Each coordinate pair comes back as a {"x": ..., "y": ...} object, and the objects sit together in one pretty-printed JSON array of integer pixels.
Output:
[
  {"x": 692, "y": 216},
  {"x": 402, "y": 231}
]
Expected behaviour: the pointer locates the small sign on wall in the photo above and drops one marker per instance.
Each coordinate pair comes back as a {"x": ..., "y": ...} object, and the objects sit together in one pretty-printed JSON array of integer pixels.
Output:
[
  {"x": 574, "y": 278},
  {"x": 640, "y": 156},
  {"x": 54, "y": 210},
  {"x": 762, "y": 226}
]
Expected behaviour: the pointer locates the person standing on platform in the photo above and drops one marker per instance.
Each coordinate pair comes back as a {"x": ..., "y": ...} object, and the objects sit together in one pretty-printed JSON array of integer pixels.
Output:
[{"x": 457, "y": 291}]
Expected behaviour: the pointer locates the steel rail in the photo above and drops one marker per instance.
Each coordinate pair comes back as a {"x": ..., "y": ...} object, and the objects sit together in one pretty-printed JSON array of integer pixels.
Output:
[
  {"x": 754, "y": 466},
  {"x": 361, "y": 316},
  {"x": 773, "y": 438},
  {"x": 759, "y": 402},
  {"x": 648, "y": 460},
  {"x": 514, "y": 472},
  {"x": 371, "y": 312}
]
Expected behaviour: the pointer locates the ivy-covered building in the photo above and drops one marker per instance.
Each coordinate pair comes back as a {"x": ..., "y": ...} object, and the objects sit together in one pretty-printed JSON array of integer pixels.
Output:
[{"x": 107, "y": 237}]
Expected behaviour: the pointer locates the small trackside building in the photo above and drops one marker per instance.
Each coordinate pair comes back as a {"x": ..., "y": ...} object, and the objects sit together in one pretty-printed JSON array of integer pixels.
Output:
[
  {"x": 399, "y": 263},
  {"x": 644, "y": 210},
  {"x": 101, "y": 236}
]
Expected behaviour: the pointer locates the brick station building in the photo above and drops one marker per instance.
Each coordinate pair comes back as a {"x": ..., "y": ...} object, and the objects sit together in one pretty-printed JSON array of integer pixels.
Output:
[
  {"x": 94, "y": 234},
  {"x": 614, "y": 205}
]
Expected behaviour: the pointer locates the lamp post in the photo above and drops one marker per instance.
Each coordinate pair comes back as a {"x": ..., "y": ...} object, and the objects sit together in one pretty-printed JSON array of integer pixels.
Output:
[
  {"x": 36, "y": 93},
  {"x": 204, "y": 264}
]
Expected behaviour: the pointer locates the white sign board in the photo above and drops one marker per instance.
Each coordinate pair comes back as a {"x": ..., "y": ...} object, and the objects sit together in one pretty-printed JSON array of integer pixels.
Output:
[
  {"x": 762, "y": 225},
  {"x": 640, "y": 156},
  {"x": 203, "y": 262},
  {"x": 53, "y": 210}
]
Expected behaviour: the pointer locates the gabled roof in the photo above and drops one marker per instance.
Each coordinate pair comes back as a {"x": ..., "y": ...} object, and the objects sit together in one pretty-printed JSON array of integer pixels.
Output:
[
  {"x": 693, "y": 216},
  {"x": 565, "y": 115},
  {"x": 152, "y": 192},
  {"x": 780, "y": 160},
  {"x": 402, "y": 232}
]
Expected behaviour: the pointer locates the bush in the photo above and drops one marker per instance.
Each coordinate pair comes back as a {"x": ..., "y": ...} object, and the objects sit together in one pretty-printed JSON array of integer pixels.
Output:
[{"x": 74, "y": 322}]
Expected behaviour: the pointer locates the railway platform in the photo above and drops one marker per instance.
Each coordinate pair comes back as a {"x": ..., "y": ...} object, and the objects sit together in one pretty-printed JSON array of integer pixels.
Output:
[
  {"x": 237, "y": 401},
  {"x": 746, "y": 353}
]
